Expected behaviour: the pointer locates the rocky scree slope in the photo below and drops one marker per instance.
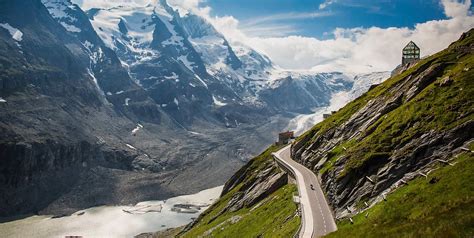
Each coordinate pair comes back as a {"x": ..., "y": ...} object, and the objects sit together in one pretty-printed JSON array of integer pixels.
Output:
[
  {"x": 120, "y": 105},
  {"x": 77, "y": 131},
  {"x": 58, "y": 145},
  {"x": 395, "y": 132}
]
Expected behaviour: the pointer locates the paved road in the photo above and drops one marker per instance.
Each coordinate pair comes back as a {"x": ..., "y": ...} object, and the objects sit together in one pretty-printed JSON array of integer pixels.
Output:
[{"x": 317, "y": 218}]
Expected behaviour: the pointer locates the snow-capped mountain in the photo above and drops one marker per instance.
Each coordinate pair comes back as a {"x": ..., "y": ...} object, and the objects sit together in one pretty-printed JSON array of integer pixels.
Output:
[
  {"x": 182, "y": 60},
  {"x": 104, "y": 67},
  {"x": 128, "y": 101}
]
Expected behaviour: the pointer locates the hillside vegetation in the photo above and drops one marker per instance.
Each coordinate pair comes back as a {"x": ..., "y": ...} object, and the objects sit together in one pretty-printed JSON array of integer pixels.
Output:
[
  {"x": 394, "y": 132},
  {"x": 397, "y": 161},
  {"x": 440, "y": 205},
  {"x": 266, "y": 211},
  {"x": 444, "y": 103}
]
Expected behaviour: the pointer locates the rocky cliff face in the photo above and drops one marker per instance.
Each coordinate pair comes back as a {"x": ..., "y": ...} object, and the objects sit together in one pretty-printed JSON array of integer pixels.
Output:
[
  {"x": 412, "y": 124},
  {"x": 77, "y": 131},
  {"x": 142, "y": 98},
  {"x": 257, "y": 200},
  {"x": 122, "y": 105},
  {"x": 185, "y": 63},
  {"x": 394, "y": 132}
]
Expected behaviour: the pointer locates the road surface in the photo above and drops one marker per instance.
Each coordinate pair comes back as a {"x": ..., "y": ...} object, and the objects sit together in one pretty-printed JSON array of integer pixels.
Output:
[{"x": 317, "y": 219}]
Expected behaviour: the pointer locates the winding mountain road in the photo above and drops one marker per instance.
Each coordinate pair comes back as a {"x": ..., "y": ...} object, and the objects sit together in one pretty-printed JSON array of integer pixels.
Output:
[{"x": 317, "y": 219}]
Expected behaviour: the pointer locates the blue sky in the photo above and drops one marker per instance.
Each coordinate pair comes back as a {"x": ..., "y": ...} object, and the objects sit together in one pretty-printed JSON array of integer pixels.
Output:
[
  {"x": 277, "y": 17},
  {"x": 351, "y": 36}
]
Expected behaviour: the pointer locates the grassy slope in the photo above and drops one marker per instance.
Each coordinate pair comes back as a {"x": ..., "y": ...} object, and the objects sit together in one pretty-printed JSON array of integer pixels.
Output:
[
  {"x": 421, "y": 208},
  {"x": 272, "y": 217},
  {"x": 435, "y": 108}
]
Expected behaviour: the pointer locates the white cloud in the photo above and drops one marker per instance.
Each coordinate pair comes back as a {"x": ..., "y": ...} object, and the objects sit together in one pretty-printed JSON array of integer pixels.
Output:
[
  {"x": 194, "y": 6},
  {"x": 286, "y": 16},
  {"x": 355, "y": 50},
  {"x": 272, "y": 25},
  {"x": 270, "y": 30},
  {"x": 454, "y": 8},
  {"x": 326, "y": 3}
]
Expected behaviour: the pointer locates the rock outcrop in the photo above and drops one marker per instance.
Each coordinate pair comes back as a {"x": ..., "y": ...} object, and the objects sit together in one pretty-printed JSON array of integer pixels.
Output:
[
  {"x": 248, "y": 187},
  {"x": 395, "y": 131}
]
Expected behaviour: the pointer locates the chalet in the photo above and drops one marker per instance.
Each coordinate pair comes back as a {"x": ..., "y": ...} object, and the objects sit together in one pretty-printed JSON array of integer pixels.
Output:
[
  {"x": 410, "y": 53},
  {"x": 327, "y": 115},
  {"x": 285, "y": 137}
]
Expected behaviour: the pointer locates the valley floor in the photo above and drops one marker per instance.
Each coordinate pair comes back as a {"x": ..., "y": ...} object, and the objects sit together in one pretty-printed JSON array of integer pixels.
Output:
[{"x": 112, "y": 221}]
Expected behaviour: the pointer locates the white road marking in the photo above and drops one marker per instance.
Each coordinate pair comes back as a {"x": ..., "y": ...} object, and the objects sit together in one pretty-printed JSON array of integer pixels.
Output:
[{"x": 311, "y": 226}]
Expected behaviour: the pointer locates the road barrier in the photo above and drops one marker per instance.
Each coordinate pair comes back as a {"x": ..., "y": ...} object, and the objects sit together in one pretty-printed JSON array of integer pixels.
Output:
[{"x": 306, "y": 229}]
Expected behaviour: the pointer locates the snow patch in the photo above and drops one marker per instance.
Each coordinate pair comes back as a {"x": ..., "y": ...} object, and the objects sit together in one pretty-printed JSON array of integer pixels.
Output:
[
  {"x": 58, "y": 10},
  {"x": 175, "y": 38},
  {"x": 140, "y": 27},
  {"x": 202, "y": 81},
  {"x": 16, "y": 34},
  {"x": 131, "y": 147},
  {"x": 70, "y": 28},
  {"x": 97, "y": 55},
  {"x": 94, "y": 79},
  {"x": 88, "y": 45},
  {"x": 176, "y": 102},
  {"x": 186, "y": 62},
  {"x": 127, "y": 100},
  {"x": 173, "y": 76},
  {"x": 217, "y": 102},
  {"x": 195, "y": 133},
  {"x": 136, "y": 129},
  {"x": 2, "y": 100}
]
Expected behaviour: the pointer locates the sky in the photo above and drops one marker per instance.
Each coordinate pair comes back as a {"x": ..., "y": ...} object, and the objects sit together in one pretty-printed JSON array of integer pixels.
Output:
[
  {"x": 350, "y": 36},
  {"x": 313, "y": 18}
]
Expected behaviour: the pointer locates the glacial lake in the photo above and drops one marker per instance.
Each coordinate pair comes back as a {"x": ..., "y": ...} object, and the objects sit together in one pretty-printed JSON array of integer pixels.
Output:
[{"x": 113, "y": 221}]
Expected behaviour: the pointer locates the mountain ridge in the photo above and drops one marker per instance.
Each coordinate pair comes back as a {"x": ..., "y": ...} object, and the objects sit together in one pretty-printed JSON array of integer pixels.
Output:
[
  {"x": 136, "y": 121},
  {"x": 380, "y": 160}
]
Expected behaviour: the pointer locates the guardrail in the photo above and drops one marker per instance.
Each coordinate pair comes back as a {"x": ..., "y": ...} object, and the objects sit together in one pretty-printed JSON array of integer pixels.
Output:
[
  {"x": 289, "y": 170},
  {"x": 303, "y": 230}
]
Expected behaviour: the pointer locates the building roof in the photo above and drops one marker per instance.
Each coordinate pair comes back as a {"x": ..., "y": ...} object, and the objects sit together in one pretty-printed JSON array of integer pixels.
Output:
[
  {"x": 410, "y": 45},
  {"x": 286, "y": 134}
]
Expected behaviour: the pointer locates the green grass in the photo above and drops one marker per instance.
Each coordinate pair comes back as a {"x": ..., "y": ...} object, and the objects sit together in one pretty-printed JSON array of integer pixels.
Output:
[
  {"x": 352, "y": 107},
  {"x": 334, "y": 155},
  {"x": 422, "y": 209},
  {"x": 437, "y": 108},
  {"x": 274, "y": 216}
]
